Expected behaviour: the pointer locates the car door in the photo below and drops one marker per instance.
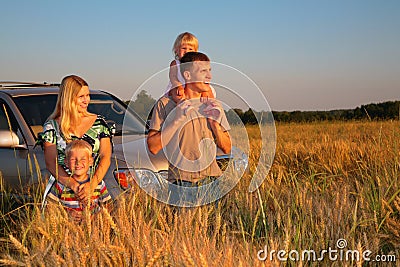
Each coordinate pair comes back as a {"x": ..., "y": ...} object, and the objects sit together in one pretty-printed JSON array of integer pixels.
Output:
[{"x": 13, "y": 158}]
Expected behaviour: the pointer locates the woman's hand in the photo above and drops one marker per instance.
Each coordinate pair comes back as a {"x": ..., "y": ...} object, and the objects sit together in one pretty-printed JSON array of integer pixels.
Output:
[
  {"x": 85, "y": 191},
  {"x": 74, "y": 185}
]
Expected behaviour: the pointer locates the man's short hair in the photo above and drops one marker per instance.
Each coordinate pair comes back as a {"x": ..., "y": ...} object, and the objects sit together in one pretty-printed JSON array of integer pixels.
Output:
[{"x": 189, "y": 58}]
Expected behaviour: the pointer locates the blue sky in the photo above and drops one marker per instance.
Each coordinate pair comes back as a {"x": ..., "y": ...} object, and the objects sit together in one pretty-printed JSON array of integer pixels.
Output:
[{"x": 303, "y": 55}]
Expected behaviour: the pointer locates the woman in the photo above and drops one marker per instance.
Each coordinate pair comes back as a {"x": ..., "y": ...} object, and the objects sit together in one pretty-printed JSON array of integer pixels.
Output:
[{"x": 69, "y": 121}]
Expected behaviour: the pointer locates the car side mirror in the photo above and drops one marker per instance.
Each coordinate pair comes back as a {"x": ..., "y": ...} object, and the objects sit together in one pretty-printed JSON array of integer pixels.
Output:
[{"x": 8, "y": 139}]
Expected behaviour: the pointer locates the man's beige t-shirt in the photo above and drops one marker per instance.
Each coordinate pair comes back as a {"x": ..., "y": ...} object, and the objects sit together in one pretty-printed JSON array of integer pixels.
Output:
[{"x": 191, "y": 153}]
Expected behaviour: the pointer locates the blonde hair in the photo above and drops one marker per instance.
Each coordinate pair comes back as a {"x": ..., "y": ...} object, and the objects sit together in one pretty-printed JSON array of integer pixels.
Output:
[
  {"x": 185, "y": 38},
  {"x": 66, "y": 109},
  {"x": 78, "y": 145}
]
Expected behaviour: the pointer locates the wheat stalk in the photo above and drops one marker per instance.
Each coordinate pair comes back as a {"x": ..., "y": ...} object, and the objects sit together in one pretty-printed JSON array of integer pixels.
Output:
[
  {"x": 187, "y": 258},
  {"x": 110, "y": 220},
  {"x": 155, "y": 257},
  {"x": 203, "y": 261},
  {"x": 11, "y": 262},
  {"x": 19, "y": 245}
]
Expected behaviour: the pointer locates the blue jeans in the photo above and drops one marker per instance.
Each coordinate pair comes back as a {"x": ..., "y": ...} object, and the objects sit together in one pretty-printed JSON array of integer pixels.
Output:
[{"x": 189, "y": 194}]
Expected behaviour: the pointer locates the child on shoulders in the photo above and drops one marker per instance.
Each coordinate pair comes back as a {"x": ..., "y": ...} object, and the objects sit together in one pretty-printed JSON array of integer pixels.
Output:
[{"x": 185, "y": 42}]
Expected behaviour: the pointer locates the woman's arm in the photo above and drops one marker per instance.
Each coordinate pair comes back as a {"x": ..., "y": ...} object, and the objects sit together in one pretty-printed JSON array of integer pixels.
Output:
[
  {"x": 105, "y": 161},
  {"x": 50, "y": 157}
]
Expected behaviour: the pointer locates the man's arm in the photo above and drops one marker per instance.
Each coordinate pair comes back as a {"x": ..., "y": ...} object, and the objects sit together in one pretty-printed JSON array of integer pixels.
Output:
[
  {"x": 156, "y": 140},
  {"x": 219, "y": 124},
  {"x": 222, "y": 137}
]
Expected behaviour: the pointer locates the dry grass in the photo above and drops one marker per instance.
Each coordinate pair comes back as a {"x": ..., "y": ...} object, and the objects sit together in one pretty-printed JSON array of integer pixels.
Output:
[{"x": 328, "y": 181}]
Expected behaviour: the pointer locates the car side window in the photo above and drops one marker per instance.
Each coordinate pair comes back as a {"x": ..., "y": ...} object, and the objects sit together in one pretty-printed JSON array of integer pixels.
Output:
[
  {"x": 8, "y": 121},
  {"x": 3, "y": 119}
]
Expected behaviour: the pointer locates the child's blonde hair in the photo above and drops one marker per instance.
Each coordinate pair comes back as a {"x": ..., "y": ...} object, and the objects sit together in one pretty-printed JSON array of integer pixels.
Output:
[
  {"x": 78, "y": 145},
  {"x": 185, "y": 38}
]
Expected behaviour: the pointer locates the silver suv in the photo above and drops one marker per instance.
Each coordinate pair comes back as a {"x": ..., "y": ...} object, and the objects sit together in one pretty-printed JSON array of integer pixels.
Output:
[{"x": 24, "y": 107}]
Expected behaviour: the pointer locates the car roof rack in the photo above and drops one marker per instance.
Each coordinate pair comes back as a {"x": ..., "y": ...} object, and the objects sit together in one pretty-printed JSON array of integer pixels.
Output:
[{"x": 14, "y": 84}]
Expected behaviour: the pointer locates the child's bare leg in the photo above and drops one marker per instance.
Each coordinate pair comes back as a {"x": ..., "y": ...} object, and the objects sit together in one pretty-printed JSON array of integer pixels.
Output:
[{"x": 177, "y": 93}]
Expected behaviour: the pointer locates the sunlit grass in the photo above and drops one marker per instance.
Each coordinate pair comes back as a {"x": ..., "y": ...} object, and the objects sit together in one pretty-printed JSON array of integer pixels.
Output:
[{"x": 328, "y": 181}]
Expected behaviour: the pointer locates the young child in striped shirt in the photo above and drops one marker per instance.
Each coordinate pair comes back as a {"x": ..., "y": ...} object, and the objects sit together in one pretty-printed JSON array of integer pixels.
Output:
[{"x": 79, "y": 159}]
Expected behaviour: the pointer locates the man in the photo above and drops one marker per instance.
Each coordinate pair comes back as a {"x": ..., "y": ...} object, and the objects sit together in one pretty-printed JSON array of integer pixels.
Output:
[{"x": 186, "y": 131}]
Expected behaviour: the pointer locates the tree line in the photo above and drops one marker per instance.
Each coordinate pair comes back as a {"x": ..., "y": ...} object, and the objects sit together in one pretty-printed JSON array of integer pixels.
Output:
[
  {"x": 389, "y": 110},
  {"x": 381, "y": 111}
]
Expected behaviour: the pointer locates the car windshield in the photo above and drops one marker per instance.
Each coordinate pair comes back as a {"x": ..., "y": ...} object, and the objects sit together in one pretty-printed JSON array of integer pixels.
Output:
[{"x": 37, "y": 108}]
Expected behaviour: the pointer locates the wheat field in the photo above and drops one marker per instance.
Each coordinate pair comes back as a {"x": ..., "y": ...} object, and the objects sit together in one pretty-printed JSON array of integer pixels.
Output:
[{"x": 329, "y": 181}]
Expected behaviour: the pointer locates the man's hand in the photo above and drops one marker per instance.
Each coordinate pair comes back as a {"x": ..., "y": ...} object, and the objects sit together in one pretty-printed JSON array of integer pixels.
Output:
[
  {"x": 182, "y": 110},
  {"x": 213, "y": 109}
]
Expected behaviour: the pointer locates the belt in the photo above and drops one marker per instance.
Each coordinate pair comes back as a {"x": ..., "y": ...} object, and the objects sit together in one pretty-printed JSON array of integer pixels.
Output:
[{"x": 204, "y": 181}]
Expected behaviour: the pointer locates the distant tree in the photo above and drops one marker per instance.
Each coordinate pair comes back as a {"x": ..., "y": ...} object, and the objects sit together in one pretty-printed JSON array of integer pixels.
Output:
[
  {"x": 143, "y": 104},
  {"x": 249, "y": 117},
  {"x": 382, "y": 111},
  {"x": 233, "y": 117},
  {"x": 389, "y": 110},
  {"x": 266, "y": 117},
  {"x": 239, "y": 112}
]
